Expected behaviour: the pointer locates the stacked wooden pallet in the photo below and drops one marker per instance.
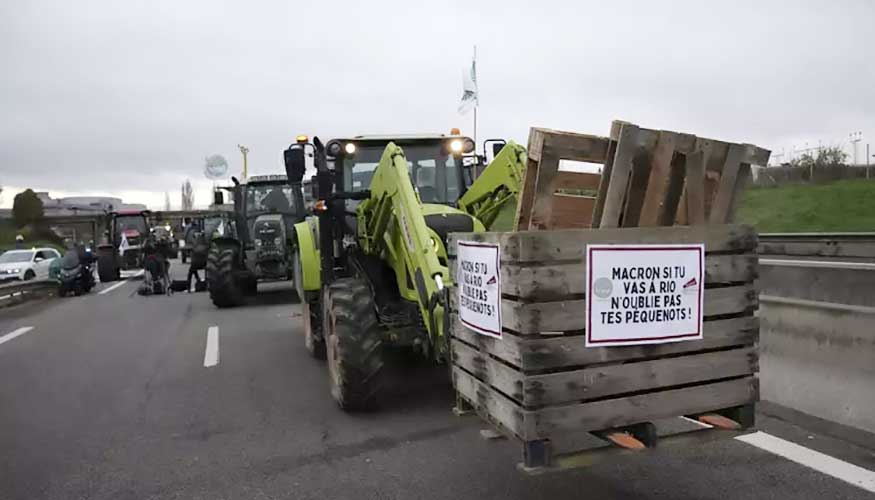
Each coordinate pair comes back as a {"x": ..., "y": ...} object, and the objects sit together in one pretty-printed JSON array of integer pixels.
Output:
[{"x": 537, "y": 379}]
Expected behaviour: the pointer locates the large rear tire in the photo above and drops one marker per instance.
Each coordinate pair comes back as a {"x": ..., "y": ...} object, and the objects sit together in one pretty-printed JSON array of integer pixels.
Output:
[
  {"x": 225, "y": 291},
  {"x": 107, "y": 270},
  {"x": 313, "y": 339},
  {"x": 353, "y": 343}
]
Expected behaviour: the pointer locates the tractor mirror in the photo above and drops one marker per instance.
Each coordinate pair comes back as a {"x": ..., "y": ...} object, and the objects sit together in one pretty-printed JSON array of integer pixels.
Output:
[
  {"x": 218, "y": 198},
  {"x": 295, "y": 165}
]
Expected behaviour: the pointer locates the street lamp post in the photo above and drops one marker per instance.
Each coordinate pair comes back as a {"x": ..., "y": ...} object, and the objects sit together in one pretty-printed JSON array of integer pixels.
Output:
[{"x": 244, "y": 150}]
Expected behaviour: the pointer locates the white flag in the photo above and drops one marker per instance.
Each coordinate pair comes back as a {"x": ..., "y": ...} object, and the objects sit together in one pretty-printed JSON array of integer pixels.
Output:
[
  {"x": 124, "y": 245},
  {"x": 221, "y": 228},
  {"x": 470, "y": 97}
]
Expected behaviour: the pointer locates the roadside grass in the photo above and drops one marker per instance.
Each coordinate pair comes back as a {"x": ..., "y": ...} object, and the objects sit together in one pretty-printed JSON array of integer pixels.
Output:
[{"x": 841, "y": 206}]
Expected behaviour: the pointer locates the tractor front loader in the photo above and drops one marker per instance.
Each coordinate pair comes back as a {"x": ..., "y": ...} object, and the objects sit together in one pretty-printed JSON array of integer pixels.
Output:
[{"x": 371, "y": 267}]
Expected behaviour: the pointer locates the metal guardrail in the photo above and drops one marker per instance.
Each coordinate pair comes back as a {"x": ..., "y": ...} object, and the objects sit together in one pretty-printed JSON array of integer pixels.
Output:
[
  {"x": 20, "y": 291},
  {"x": 836, "y": 245}
]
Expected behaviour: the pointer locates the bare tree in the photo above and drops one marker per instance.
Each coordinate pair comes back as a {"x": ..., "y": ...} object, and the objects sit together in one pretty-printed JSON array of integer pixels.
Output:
[
  {"x": 187, "y": 196},
  {"x": 166, "y": 201}
]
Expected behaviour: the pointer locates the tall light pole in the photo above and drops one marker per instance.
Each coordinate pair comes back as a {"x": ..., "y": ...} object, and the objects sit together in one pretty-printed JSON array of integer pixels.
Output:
[
  {"x": 244, "y": 150},
  {"x": 855, "y": 137}
]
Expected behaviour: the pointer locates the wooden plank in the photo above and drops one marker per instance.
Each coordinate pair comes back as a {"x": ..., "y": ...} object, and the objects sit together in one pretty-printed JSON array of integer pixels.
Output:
[
  {"x": 610, "y": 413},
  {"x": 601, "y": 381},
  {"x": 727, "y": 188},
  {"x": 621, "y": 170},
  {"x": 577, "y": 180},
  {"x": 537, "y": 352},
  {"x": 545, "y": 186},
  {"x": 529, "y": 318},
  {"x": 655, "y": 199},
  {"x": 605, "y": 181},
  {"x": 526, "y": 196},
  {"x": 530, "y": 176},
  {"x": 489, "y": 403},
  {"x": 637, "y": 188},
  {"x": 694, "y": 188},
  {"x": 555, "y": 281},
  {"x": 570, "y": 244},
  {"x": 574, "y": 146},
  {"x": 571, "y": 211},
  {"x": 715, "y": 159}
]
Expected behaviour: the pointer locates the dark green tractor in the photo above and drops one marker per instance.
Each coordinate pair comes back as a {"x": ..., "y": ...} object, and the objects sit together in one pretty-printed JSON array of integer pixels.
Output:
[{"x": 256, "y": 242}]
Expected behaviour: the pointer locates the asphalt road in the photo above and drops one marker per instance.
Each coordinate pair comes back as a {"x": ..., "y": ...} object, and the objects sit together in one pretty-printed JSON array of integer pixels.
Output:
[{"x": 108, "y": 397}]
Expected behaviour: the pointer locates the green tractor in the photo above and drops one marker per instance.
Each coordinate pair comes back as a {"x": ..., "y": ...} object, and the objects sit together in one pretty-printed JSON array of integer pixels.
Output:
[
  {"x": 256, "y": 243},
  {"x": 371, "y": 266}
]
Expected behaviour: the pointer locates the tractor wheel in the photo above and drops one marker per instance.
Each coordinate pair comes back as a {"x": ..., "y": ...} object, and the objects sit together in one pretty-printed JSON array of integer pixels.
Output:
[
  {"x": 313, "y": 339},
  {"x": 221, "y": 264},
  {"x": 353, "y": 343},
  {"x": 106, "y": 269}
]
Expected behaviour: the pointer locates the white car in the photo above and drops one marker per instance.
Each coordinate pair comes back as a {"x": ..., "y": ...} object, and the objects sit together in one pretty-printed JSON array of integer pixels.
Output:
[{"x": 27, "y": 264}]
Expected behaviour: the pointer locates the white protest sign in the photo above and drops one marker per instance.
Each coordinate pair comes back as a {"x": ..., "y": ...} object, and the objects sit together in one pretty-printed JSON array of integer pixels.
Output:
[
  {"x": 643, "y": 294},
  {"x": 479, "y": 283}
]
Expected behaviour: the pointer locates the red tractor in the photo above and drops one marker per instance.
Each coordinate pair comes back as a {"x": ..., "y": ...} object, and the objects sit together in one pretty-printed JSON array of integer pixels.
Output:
[{"x": 123, "y": 249}]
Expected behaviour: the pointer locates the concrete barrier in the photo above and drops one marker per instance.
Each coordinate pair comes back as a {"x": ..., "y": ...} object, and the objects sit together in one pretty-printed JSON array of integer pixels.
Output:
[
  {"x": 817, "y": 339},
  {"x": 819, "y": 358}
]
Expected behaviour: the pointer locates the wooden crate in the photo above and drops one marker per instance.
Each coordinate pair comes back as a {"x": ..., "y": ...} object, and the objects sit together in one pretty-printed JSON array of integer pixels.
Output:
[
  {"x": 649, "y": 178},
  {"x": 540, "y": 383}
]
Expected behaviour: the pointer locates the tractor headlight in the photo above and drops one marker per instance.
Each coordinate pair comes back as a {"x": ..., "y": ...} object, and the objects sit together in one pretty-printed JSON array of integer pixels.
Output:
[
  {"x": 257, "y": 242},
  {"x": 469, "y": 146},
  {"x": 349, "y": 148},
  {"x": 456, "y": 146}
]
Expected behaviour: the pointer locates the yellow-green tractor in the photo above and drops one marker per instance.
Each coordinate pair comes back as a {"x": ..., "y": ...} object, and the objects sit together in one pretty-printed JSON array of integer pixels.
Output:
[{"x": 371, "y": 266}]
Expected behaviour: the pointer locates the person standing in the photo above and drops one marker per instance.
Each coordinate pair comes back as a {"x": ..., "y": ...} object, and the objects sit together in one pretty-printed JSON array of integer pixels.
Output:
[
  {"x": 198, "y": 260},
  {"x": 19, "y": 242}
]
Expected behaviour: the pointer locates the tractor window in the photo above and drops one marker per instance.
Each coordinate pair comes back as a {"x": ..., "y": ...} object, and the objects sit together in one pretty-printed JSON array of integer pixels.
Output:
[
  {"x": 261, "y": 198},
  {"x": 434, "y": 172},
  {"x": 131, "y": 223}
]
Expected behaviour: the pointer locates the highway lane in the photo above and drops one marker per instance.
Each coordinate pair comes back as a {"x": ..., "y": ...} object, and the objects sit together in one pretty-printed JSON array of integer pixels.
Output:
[{"x": 117, "y": 396}]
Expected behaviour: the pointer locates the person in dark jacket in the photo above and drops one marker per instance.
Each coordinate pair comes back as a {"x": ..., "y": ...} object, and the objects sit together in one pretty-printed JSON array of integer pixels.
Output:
[{"x": 198, "y": 259}]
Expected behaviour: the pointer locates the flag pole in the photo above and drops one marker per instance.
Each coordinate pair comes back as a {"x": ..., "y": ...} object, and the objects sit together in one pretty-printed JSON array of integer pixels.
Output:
[{"x": 476, "y": 99}]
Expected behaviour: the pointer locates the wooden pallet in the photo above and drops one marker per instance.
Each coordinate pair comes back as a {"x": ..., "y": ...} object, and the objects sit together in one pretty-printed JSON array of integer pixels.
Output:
[
  {"x": 649, "y": 178},
  {"x": 539, "y": 382}
]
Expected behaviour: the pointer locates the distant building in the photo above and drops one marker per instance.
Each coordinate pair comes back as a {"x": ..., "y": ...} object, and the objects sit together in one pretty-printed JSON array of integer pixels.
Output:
[{"x": 83, "y": 205}]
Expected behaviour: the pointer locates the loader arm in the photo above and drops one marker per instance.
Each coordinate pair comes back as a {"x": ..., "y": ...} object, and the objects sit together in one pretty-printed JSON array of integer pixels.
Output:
[
  {"x": 392, "y": 226},
  {"x": 492, "y": 198}
]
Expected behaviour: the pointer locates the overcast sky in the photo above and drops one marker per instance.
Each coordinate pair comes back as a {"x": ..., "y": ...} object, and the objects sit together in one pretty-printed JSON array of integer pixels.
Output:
[{"x": 127, "y": 98}]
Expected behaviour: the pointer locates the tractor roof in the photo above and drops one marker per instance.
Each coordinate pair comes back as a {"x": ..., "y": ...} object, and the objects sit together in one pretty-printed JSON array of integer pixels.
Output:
[
  {"x": 403, "y": 137},
  {"x": 267, "y": 179}
]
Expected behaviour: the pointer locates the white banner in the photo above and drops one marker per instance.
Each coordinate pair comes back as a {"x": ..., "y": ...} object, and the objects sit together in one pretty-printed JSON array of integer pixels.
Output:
[
  {"x": 643, "y": 294},
  {"x": 478, "y": 280}
]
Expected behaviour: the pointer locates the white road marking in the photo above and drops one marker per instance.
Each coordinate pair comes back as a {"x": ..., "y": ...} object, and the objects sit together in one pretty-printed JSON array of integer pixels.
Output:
[
  {"x": 839, "y": 469},
  {"x": 120, "y": 283},
  {"x": 17, "y": 333},
  {"x": 211, "y": 356}
]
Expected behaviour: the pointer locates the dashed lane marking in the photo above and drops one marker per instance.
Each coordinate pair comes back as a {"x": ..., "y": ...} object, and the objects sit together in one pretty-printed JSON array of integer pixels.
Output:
[
  {"x": 16, "y": 333},
  {"x": 120, "y": 283},
  {"x": 839, "y": 469},
  {"x": 211, "y": 355}
]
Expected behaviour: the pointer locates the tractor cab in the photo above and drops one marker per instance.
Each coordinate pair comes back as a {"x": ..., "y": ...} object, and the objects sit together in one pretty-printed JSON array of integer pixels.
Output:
[{"x": 435, "y": 161}]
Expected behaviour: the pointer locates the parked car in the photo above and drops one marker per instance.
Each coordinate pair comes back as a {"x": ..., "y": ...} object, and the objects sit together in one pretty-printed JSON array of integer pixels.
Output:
[{"x": 27, "y": 264}]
